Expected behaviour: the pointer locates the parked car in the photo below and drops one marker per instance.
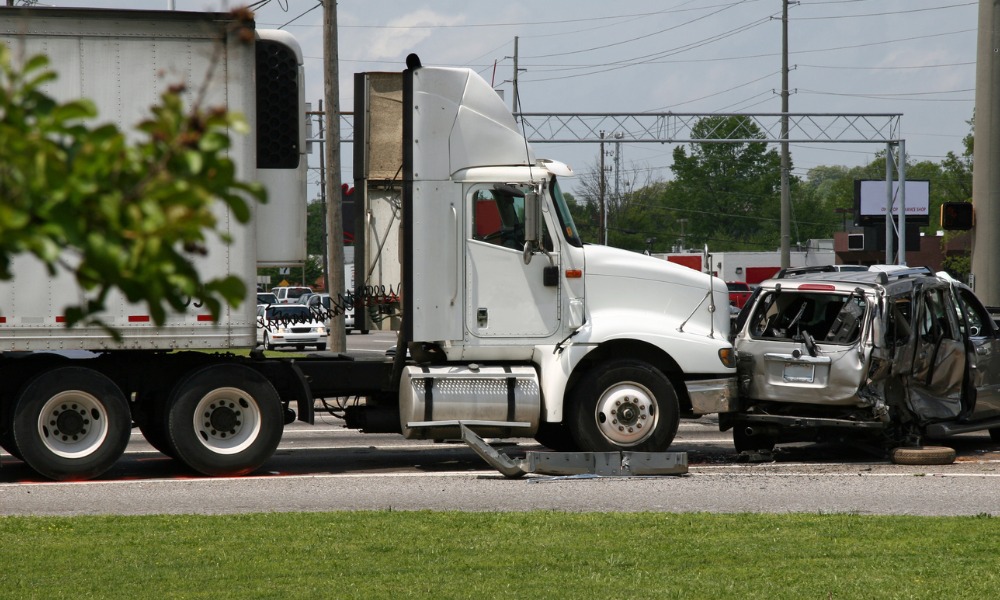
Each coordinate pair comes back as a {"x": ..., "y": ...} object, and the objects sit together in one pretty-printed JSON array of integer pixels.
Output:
[
  {"x": 290, "y": 294},
  {"x": 321, "y": 302},
  {"x": 739, "y": 293},
  {"x": 896, "y": 357},
  {"x": 266, "y": 298},
  {"x": 304, "y": 298},
  {"x": 289, "y": 325}
]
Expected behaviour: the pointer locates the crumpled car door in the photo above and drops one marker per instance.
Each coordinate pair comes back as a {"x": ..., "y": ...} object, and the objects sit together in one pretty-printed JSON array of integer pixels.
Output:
[
  {"x": 939, "y": 358},
  {"x": 984, "y": 370}
]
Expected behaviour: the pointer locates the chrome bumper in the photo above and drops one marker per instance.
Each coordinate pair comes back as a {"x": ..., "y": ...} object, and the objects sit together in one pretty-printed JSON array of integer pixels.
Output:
[{"x": 713, "y": 395}]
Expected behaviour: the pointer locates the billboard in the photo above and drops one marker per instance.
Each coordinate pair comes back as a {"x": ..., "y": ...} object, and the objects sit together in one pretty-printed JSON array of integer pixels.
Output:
[{"x": 870, "y": 201}]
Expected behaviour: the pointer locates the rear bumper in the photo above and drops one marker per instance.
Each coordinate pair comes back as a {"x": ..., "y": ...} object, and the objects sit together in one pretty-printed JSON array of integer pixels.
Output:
[{"x": 713, "y": 395}]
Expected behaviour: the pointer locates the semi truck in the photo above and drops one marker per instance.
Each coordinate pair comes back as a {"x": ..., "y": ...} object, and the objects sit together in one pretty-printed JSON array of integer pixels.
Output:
[{"x": 508, "y": 323}]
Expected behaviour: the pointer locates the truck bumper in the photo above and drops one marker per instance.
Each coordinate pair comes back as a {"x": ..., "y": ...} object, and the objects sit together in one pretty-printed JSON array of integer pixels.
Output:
[{"x": 713, "y": 395}]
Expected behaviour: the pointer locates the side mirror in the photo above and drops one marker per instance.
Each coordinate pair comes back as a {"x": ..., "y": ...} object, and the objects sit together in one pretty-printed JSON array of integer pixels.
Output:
[
  {"x": 532, "y": 217},
  {"x": 532, "y": 220}
]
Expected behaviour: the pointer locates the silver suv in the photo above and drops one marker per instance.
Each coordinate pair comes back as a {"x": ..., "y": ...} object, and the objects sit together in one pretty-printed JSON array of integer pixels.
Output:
[{"x": 897, "y": 356}]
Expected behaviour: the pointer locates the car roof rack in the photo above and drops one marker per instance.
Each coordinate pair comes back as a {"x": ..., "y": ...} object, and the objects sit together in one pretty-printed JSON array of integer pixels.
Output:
[{"x": 881, "y": 276}]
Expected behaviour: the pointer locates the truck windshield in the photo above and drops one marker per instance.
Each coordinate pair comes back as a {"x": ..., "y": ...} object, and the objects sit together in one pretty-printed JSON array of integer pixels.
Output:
[{"x": 565, "y": 218}]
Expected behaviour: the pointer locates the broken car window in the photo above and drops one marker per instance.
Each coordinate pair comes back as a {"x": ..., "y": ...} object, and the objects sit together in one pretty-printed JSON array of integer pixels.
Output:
[{"x": 830, "y": 318}]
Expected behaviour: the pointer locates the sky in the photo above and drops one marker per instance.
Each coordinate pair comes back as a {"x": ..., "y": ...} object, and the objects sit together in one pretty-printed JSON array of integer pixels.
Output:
[{"x": 915, "y": 58}]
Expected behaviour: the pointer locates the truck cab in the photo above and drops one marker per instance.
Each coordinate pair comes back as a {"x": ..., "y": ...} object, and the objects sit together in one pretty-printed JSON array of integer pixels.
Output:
[{"x": 512, "y": 319}]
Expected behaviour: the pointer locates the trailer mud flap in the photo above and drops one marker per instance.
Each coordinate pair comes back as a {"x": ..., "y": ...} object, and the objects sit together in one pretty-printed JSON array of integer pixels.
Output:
[{"x": 605, "y": 464}]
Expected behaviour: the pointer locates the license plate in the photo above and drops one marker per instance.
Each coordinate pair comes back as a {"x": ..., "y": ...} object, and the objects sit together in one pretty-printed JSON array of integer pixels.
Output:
[{"x": 799, "y": 373}]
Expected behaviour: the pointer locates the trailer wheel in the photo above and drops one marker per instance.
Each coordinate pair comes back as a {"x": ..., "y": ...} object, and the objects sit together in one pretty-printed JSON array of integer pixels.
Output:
[
  {"x": 923, "y": 455},
  {"x": 7, "y": 426},
  {"x": 71, "y": 423},
  {"x": 224, "y": 420},
  {"x": 624, "y": 405},
  {"x": 151, "y": 416}
]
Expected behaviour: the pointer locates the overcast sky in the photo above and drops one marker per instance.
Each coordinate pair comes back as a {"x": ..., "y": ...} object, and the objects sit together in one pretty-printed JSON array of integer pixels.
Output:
[{"x": 913, "y": 57}]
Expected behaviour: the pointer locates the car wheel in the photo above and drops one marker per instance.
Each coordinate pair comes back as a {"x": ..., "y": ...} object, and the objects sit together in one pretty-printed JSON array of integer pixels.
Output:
[
  {"x": 320, "y": 347},
  {"x": 923, "y": 455},
  {"x": 267, "y": 342},
  {"x": 71, "y": 423},
  {"x": 624, "y": 405},
  {"x": 224, "y": 420}
]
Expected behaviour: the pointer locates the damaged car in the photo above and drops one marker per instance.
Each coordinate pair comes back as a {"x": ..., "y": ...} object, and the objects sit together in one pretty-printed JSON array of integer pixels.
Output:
[{"x": 895, "y": 357}]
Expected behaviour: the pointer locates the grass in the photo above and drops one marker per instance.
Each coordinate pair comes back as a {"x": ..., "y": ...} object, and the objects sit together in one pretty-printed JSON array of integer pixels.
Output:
[{"x": 498, "y": 555}]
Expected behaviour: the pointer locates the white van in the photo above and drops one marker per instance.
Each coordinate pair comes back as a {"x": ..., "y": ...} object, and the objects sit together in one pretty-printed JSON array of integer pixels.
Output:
[{"x": 290, "y": 294}]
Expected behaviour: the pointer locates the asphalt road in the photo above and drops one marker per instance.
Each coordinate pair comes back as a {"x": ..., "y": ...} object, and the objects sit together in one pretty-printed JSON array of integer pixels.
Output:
[{"x": 326, "y": 467}]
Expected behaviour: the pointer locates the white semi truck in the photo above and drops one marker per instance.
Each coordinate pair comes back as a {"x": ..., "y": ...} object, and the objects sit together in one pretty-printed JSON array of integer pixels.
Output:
[{"x": 510, "y": 324}]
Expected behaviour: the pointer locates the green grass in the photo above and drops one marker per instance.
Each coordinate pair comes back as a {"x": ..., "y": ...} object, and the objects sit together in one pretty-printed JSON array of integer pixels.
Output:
[{"x": 499, "y": 555}]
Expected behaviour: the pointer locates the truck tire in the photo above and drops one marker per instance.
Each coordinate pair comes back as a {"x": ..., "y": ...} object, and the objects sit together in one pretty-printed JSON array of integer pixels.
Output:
[
  {"x": 624, "y": 405},
  {"x": 923, "y": 455},
  {"x": 224, "y": 420},
  {"x": 151, "y": 417},
  {"x": 7, "y": 431},
  {"x": 995, "y": 434},
  {"x": 71, "y": 423}
]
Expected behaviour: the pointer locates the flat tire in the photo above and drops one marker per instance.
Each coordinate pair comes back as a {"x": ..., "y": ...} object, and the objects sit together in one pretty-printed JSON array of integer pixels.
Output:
[{"x": 923, "y": 455}]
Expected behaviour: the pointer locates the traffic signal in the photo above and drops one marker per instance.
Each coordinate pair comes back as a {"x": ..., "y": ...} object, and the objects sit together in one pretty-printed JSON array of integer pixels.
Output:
[{"x": 957, "y": 216}]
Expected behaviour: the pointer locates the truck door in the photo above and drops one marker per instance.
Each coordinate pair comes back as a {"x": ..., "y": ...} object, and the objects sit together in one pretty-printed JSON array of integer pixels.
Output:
[
  {"x": 984, "y": 368},
  {"x": 505, "y": 297}
]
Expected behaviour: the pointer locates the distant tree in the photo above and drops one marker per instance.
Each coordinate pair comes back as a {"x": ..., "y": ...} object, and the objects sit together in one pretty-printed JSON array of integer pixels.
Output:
[
  {"x": 729, "y": 192},
  {"x": 117, "y": 215},
  {"x": 316, "y": 228}
]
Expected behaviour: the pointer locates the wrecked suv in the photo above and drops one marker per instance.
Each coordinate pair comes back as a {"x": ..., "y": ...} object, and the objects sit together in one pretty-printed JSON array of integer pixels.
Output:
[{"x": 895, "y": 356}]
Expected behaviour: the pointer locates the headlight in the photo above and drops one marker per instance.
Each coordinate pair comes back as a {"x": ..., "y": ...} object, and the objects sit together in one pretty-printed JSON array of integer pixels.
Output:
[{"x": 728, "y": 357}]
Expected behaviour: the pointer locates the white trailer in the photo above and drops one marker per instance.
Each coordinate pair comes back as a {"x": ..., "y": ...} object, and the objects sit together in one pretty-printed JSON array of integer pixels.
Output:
[{"x": 511, "y": 325}]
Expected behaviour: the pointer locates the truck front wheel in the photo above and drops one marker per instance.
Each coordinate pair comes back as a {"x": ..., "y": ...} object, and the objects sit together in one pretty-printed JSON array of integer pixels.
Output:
[
  {"x": 71, "y": 423},
  {"x": 624, "y": 405},
  {"x": 224, "y": 420}
]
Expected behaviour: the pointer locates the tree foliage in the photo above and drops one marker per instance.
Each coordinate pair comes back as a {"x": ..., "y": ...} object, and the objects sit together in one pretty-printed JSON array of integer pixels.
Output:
[
  {"x": 117, "y": 215},
  {"x": 728, "y": 192}
]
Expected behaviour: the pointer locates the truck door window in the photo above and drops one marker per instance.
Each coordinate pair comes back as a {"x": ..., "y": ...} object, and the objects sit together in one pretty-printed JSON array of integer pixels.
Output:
[{"x": 498, "y": 216}]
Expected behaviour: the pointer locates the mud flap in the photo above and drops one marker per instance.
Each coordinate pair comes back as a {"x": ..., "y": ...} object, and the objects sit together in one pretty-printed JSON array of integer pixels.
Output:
[{"x": 605, "y": 464}]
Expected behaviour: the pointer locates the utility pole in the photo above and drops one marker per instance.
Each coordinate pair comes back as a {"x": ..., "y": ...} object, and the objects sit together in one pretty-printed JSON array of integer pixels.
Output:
[
  {"x": 603, "y": 225},
  {"x": 986, "y": 152},
  {"x": 323, "y": 199},
  {"x": 514, "y": 102},
  {"x": 786, "y": 200},
  {"x": 334, "y": 205}
]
